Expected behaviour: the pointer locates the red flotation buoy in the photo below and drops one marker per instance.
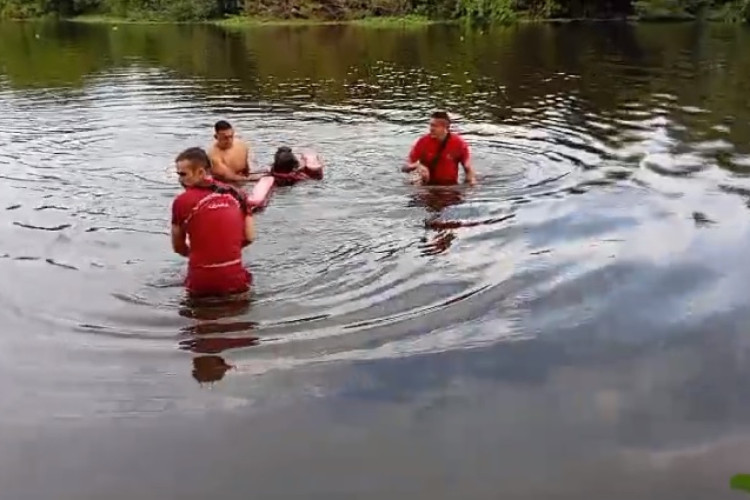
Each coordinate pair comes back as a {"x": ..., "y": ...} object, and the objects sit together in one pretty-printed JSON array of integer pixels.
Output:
[{"x": 261, "y": 193}]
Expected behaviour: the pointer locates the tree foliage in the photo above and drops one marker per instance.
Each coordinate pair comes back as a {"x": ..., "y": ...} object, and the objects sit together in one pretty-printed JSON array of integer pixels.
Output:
[{"x": 476, "y": 11}]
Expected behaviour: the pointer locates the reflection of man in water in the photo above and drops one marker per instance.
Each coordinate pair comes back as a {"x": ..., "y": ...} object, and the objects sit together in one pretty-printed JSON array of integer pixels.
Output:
[
  {"x": 229, "y": 155},
  {"x": 208, "y": 369},
  {"x": 437, "y": 155},
  {"x": 437, "y": 200}
]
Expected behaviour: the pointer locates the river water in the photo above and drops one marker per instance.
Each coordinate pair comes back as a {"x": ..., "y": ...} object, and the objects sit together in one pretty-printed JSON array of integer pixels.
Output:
[{"x": 576, "y": 326}]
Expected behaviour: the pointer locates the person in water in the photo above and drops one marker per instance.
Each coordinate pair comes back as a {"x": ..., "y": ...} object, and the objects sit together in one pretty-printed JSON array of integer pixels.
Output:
[
  {"x": 288, "y": 169},
  {"x": 229, "y": 155},
  {"x": 437, "y": 155},
  {"x": 215, "y": 218}
]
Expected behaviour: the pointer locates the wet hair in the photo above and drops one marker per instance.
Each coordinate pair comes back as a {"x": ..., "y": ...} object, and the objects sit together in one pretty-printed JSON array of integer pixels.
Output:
[
  {"x": 222, "y": 125},
  {"x": 196, "y": 156},
  {"x": 441, "y": 115},
  {"x": 284, "y": 161}
]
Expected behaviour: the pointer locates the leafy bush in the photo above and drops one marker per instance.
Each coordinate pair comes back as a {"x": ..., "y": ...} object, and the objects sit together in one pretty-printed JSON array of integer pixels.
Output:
[
  {"x": 660, "y": 9},
  {"x": 736, "y": 11},
  {"x": 20, "y": 9},
  {"x": 189, "y": 10},
  {"x": 474, "y": 11},
  {"x": 486, "y": 11}
]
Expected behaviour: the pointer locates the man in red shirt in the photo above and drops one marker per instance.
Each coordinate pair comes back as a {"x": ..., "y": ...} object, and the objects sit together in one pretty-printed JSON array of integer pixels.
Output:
[
  {"x": 216, "y": 220},
  {"x": 436, "y": 156}
]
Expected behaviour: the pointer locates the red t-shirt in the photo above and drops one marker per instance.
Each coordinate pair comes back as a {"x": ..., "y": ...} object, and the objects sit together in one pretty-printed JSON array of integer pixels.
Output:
[
  {"x": 215, "y": 225},
  {"x": 456, "y": 152}
]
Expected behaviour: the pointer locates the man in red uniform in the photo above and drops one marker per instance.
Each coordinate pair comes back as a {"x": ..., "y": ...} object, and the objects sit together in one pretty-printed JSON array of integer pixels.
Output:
[
  {"x": 436, "y": 156},
  {"x": 215, "y": 219}
]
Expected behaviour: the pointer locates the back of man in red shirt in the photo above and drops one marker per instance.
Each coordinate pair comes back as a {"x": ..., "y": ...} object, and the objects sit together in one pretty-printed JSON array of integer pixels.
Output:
[
  {"x": 437, "y": 155},
  {"x": 215, "y": 219}
]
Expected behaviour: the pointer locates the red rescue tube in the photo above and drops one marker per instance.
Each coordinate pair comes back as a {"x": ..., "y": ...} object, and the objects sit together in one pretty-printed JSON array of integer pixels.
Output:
[
  {"x": 312, "y": 166},
  {"x": 261, "y": 194}
]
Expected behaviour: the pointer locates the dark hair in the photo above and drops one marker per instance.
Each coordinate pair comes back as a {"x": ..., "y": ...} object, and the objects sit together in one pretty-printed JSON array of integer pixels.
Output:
[
  {"x": 196, "y": 156},
  {"x": 441, "y": 115},
  {"x": 222, "y": 125},
  {"x": 284, "y": 161}
]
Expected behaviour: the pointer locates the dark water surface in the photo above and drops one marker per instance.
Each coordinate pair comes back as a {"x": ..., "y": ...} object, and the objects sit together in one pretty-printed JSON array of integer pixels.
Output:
[{"x": 587, "y": 336}]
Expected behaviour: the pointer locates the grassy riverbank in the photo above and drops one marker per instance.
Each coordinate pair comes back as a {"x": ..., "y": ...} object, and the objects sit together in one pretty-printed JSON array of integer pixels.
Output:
[
  {"x": 370, "y": 22},
  {"x": 241, "y": 22},
  {"x": 106, "y": 19},
  {"x": 244, "y": 22}
]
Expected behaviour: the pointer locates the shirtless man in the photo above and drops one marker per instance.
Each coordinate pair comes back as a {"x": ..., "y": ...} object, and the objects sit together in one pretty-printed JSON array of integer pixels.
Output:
[{"x": 229, "y": 157}]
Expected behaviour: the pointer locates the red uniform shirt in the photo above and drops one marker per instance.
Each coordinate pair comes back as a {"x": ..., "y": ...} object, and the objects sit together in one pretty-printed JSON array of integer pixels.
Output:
[
  {"x": 215, "y": 225},
  {"x": 456, "y": 152}
]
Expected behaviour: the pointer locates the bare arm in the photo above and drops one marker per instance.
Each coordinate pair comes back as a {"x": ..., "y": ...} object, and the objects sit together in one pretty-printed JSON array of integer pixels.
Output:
[
  {"x": 413, "y": 162},
  {"x": 424, "y": 172},
  {"x": 249, "y": 230},
  {"x": 222, "y": 171},
  {"x": 256, "y": 176},
  {"x": 411, "y": 166},
  {"x": 469, "y": 173},
  {"x": 179, "y": 243}
]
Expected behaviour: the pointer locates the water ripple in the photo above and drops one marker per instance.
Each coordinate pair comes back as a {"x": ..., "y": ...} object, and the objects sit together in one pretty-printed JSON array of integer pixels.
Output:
[{"x": 609, "y": 188}]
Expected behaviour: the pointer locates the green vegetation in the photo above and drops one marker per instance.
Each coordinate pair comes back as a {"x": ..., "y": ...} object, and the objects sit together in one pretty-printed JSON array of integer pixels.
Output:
[
  {"x": 740, "y": 482},
  {"x": 480, "y": 11},
  {"x": 243, "y": 21},
  {"x": 374, "y": 12},
  {"x": 394, "y": 21}
]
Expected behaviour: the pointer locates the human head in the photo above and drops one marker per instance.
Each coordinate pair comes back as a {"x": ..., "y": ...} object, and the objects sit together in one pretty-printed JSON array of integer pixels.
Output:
[
  {"x": 224, "y": 134},
  {"x": 284, "y": 161},
  {"x": 192, "y": 166},
  {"x": 208, "y": 369},
  {"x": 440, "y": 124}
]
